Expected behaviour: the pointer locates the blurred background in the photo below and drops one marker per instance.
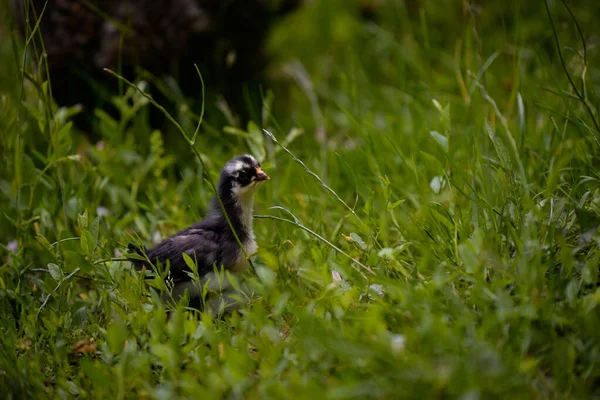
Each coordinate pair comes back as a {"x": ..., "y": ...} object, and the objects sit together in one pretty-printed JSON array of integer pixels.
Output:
[
  {"x": 460, "y": 138},
  {"x": 327, "y": 74}
]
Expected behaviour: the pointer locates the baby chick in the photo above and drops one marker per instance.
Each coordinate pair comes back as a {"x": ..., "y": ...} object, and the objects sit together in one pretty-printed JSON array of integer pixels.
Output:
[{"x": 211, "y": 241}]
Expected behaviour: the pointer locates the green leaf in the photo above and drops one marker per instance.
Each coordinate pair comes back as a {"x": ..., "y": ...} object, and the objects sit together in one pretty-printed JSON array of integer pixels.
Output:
[
  {"x": 591, "y": 301},
  {"x": 82, "y": 220},
  {"x": 395, "y": 204},
  {"x": 55, "y": 272},
  {"x": 267, "y": 106},
  {"x": 95, "y": 372},
  {"x": 41, "y": 239},
  {"x": 94, "y": 228},
  {"x": 79, "y": 318},
  {"x": 64, "y": 131},
  {"x": 431, "y": 161},
  {"x": 498, "y": 146},
  {"x": 444, "y": 112},
  {"x": 76, "y": 258},
  {"x": 235, "y": 131},
  {"x": 386, "y": 253},
  {"x": 292, "y": 134},
  {"x": 67, "y": 320},
  {"x": 116, "y": 336},
  {"x": 266, "y": 275},
  {"x": 468, "y": 257},
  {"x": 441, "y": 139},
  {"x": 189, "y": 262},
  {"x": 30, "y": 172},
  {"x": 164, "y": 353},
  {"x": 111, "y": 125},
  {"x": 358, "y": 240},
  {"x": 64, "y": 114},
  {"x": 72, "y": 157},
  {"x": 157, "y": 283},
  {"x": 88, "y": 244},
  {"x": 135, "y": 256},
  {"x": 369, "y": 203},
  {"x": 73, "y": 388},
  {"x": 572, "y": 290},
  {"x": 256, "y": 141}
]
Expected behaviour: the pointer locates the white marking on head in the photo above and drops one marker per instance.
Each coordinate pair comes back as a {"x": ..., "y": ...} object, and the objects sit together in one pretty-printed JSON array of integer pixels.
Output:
[{"x": 235, "y": 167}]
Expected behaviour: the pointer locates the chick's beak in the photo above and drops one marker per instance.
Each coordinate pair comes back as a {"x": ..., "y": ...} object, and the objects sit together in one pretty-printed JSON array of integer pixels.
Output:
[{"x": 261, "y": 176}]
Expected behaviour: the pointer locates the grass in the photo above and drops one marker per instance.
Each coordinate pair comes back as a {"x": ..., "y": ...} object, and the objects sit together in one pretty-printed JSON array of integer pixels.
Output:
[{"x": 430, "y": 229}]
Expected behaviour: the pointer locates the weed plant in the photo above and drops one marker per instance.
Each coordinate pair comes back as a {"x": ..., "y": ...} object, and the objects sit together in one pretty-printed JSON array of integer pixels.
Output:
[{"x": 430, "y": 230}]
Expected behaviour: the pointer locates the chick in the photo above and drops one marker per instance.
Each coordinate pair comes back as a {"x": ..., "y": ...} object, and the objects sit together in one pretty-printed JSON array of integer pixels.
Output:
[{"x": 211, "y": 241}]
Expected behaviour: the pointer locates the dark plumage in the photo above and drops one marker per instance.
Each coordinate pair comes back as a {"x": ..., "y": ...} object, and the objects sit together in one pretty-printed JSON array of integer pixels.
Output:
[{"x": 211, "y": 242}]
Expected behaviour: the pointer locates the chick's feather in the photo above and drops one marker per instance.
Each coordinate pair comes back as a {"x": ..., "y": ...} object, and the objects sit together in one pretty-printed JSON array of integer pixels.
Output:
[{"x": 201, "y": 245}]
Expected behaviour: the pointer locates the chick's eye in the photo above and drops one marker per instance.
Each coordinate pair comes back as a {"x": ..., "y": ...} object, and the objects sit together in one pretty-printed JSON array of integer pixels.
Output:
[{"x": 243, "y": 175}]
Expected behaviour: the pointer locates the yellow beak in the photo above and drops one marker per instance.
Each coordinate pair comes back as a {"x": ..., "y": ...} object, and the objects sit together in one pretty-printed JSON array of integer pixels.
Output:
[{"x": 261, "y": 176}]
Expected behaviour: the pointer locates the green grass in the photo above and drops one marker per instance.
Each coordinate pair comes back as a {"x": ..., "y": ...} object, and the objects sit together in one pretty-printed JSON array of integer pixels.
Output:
[{"x": 446, "y": 149}]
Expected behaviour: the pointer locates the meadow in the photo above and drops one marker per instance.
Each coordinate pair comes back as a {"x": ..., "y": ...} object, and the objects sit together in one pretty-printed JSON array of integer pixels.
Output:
[{"x": 430, "y": 229}]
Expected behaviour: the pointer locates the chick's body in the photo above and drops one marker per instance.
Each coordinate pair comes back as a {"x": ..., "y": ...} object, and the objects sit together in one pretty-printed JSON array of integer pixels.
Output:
[{"x": 211, "y": 241}]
